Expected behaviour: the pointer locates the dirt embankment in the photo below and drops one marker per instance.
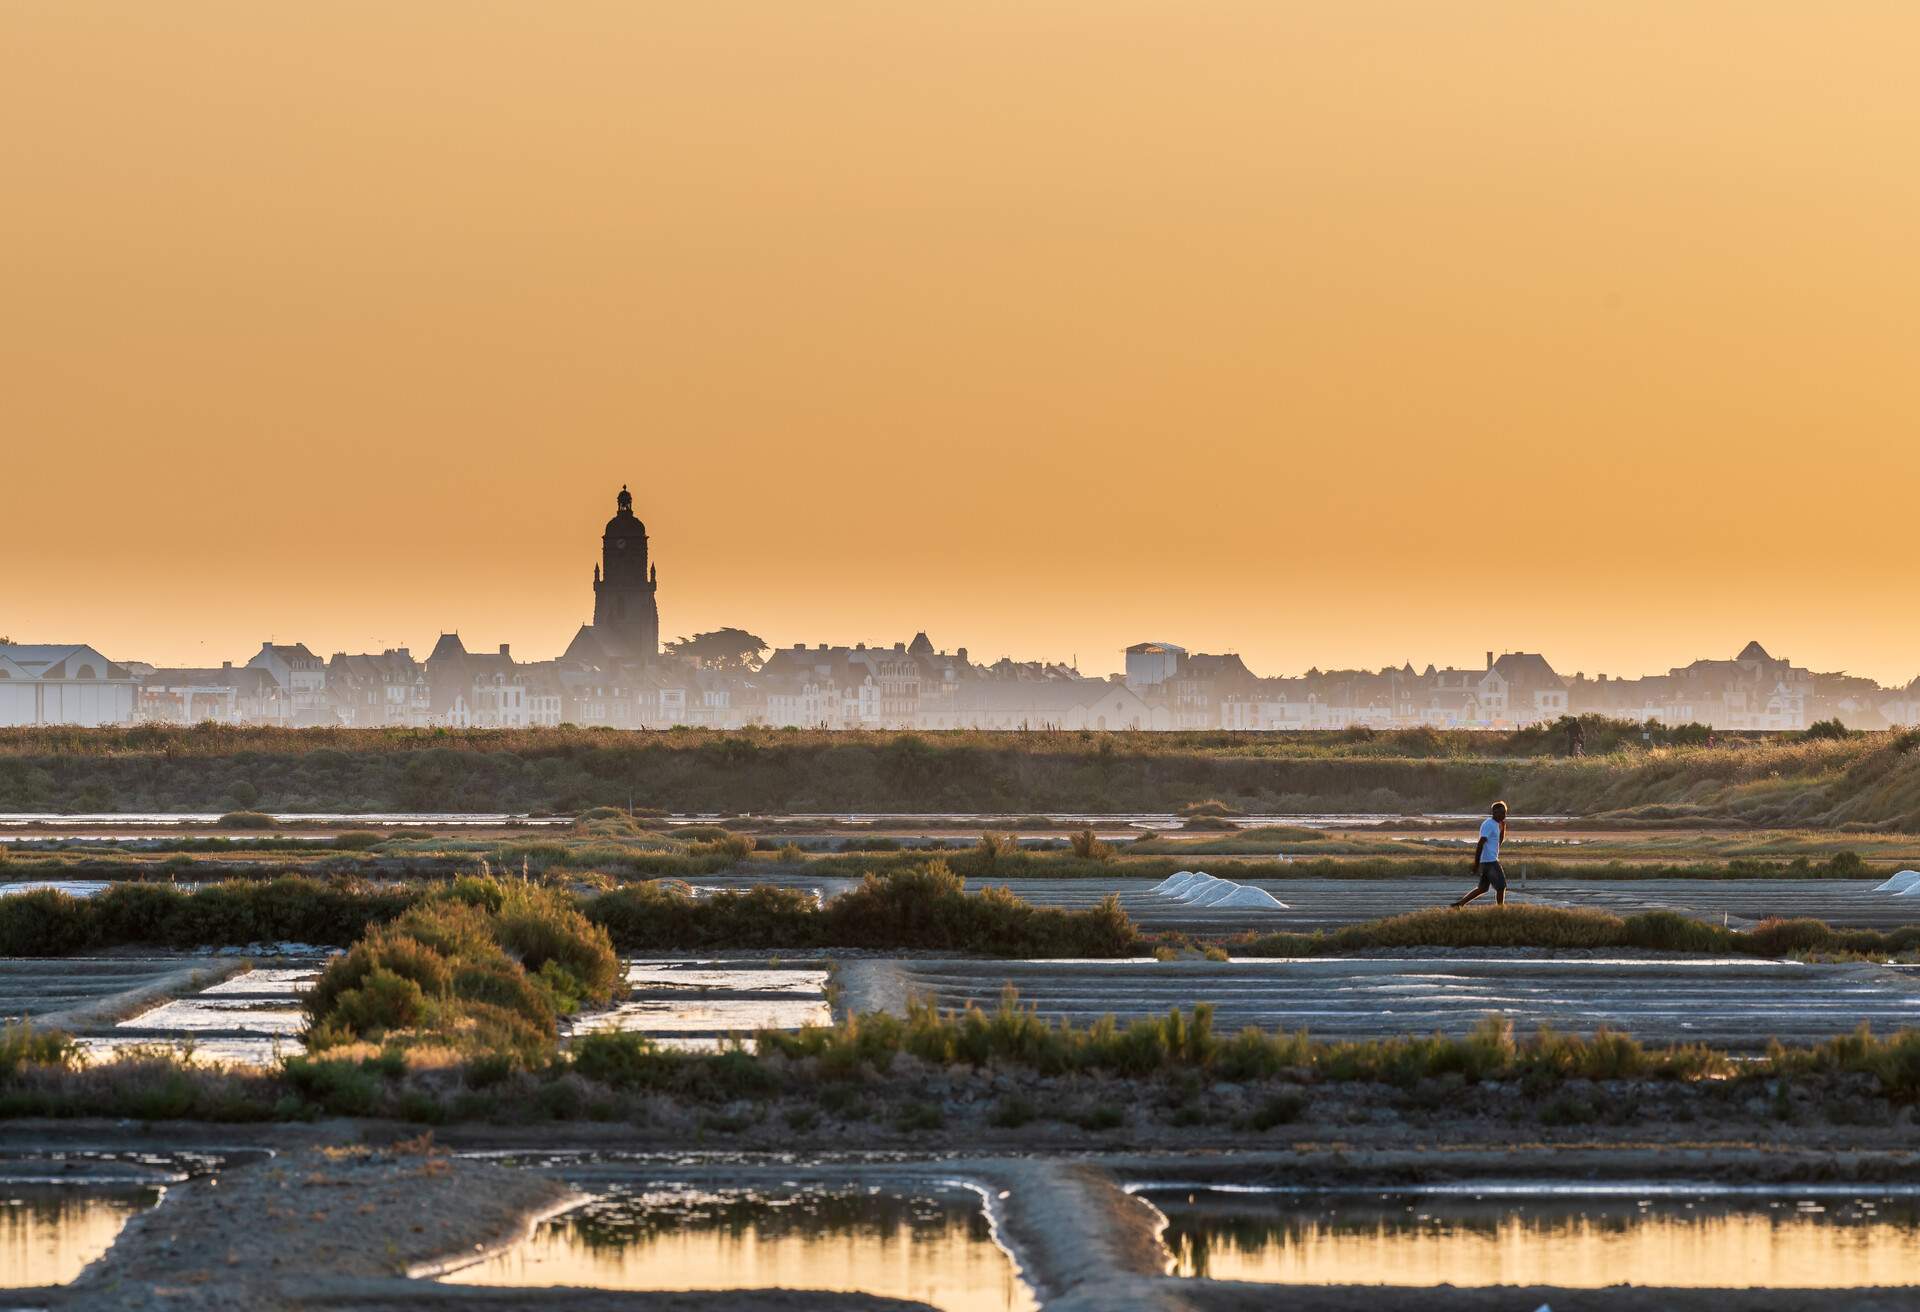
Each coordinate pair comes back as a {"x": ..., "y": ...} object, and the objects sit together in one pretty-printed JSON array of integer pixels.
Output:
[
  {"x": 263, "y": 1235},
  {"x": 321, "y": 1227}
]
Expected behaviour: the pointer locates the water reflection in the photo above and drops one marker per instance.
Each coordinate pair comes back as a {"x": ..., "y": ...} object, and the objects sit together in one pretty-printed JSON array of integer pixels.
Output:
[
  {"x": 1395, "y": 1239},
  {"x": 937, "y": 1249},
  {"x": 49, "y": 1232}
]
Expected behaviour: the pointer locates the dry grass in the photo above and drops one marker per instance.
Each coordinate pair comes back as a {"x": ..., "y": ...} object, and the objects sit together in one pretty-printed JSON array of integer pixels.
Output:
[{"x": 1872, "y": 780}]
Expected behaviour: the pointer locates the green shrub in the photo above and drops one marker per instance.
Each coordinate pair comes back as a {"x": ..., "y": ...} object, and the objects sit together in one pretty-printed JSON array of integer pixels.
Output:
[
  {"x": 1013, "y": 1111},
  {"x": 919, "y": 1117},
  {"x": 1669, "y": 931},
  {"x": 924, "y": 906},
  {"x": 622, "y": 1061},
  {"x": 1280, "y": 1109},
  {"x": 1777, "y": 938},
  {"x": 484, "y": 967},
  {"x": 45, "y": 922},
  {"x": 382, "y": 1003},
  {"x": 558, "y": 944},
  {"x": 339, "y": 1088},
  {"x": 22, "y": 1045},
  {"x": 1089, "y": 848},
  {"x": 247, "y": 820}
]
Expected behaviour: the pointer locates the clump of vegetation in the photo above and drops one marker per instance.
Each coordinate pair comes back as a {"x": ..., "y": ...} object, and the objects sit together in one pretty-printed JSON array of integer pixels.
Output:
[
  {"x": 21, "y": 1045},
  {"x": 50, "y": 922},
  {"x": 247, "y": 820},
  {"x": 358, "y": 840},
  {"x": 841, "y": 1070},
  {"x": 1560, "y": 927},
  {"x": 481, "y": 967},
  {"x": 1089, "y": 848},
  {"x": 925, "y": 906},
  {"x": 1015, "y": 1036}
]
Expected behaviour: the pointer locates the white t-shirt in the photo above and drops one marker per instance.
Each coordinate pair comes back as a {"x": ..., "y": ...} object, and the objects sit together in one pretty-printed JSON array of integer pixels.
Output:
[{"x": 1490, "y": 831}]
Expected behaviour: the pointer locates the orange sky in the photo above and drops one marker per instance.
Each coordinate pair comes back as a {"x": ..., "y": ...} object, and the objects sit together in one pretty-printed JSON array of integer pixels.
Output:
[{"x": 1329, "y": 333}]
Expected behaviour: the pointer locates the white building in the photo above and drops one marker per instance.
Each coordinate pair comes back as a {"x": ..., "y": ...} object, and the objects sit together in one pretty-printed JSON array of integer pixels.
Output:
[
  {"x": 302, "y": 676},
  {"x": 1052, "y": 704},
  {"x": 63, "y": 683},
  {"x": 1150, "y": 664}
]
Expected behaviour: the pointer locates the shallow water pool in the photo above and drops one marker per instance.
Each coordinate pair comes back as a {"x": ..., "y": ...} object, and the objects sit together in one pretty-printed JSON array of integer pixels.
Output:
[
  {"x": 1705, "y": 1240},
  {"x": 937, "y": 1248},
  {"x": 49, "y": 1232}
]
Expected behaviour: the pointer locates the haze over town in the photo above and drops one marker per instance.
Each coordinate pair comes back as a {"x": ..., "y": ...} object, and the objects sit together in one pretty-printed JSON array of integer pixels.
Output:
[{"x": 616, "y": 671}]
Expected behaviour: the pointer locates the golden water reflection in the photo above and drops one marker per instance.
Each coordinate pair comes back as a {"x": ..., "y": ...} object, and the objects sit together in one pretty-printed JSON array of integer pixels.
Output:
[
  {"x": 1576, "y": 1244},
  {"x": 936, "y": 1250},
  {"x": 48, "y": 1233}
]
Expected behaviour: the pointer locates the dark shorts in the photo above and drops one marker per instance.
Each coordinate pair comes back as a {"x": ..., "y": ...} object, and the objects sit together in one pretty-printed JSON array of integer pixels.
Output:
[{"x": 1492, "y": 876}]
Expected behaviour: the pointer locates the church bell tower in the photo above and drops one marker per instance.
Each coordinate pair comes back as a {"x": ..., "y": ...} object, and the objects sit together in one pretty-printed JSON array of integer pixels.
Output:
[{"x": 623, "y": 585}]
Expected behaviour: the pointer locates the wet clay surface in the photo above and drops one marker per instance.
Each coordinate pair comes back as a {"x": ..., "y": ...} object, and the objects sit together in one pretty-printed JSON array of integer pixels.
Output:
[{"x": 260, "y": 1235}]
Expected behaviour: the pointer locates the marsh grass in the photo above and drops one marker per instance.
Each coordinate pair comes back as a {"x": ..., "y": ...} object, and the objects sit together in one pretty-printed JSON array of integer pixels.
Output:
[
  {"x": 921, "y": 906},
  {"x": 1526, "y": 926},
  {"x": 1870, "y": 780},
  {"x": 1011, "y": 1035},
  {"x": 849, "y": 1070}
]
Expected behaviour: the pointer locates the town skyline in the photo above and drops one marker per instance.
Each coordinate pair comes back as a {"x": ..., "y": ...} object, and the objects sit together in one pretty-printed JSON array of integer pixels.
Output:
[
  {"x": 546, "y": 629},
  {"x": 616, "y": 672}
]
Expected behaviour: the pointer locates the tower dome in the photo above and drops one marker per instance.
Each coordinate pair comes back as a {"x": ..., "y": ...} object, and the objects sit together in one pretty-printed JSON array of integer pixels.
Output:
[{"x": 623, "y": 523}]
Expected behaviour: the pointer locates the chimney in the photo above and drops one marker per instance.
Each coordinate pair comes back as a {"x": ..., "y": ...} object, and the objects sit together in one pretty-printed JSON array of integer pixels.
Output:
[
  {"x": 899, "y": 646},
  {"x": 1489, "y": 660},
  {"x": 505, "y": 650},
  {"x": 961, "y": 652},
  {"x": 226, "y": 665}
]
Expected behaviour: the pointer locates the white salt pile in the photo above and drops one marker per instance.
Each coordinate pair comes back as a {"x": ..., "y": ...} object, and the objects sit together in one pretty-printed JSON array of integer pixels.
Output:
[
  {"x": 1197, "y": 888},
  {"x": 1174, "y": 883},
  {"x": 1900, "y": 883},
  {"x": 1245, "y": 895}
]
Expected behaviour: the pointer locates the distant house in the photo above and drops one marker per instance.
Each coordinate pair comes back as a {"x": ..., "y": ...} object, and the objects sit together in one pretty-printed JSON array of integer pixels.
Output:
[
  {"x": 388, "y": 688},
  {"x": 1051, "y": 704},
  {"x": 476, "y": 690},
  {"x": 1195, "y": 692},
  {"x": 1521, "y": 688},
  {"x": 64, "y": 683},
  {"x": 227, "y": 695},
  {"x": 1903, "y": 709},
  {"x": 1274, "y": 705},
  {"x": 302, "y": 676}
]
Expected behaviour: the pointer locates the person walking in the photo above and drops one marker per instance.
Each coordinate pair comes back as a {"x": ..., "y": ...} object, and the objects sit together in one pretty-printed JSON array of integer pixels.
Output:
[{"x": 1486, "y": 857}]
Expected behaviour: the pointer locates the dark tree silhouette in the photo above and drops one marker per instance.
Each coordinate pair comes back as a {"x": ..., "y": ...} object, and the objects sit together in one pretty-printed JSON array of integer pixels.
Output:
[{"x": 723, "y": 649}]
